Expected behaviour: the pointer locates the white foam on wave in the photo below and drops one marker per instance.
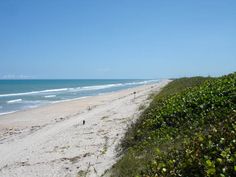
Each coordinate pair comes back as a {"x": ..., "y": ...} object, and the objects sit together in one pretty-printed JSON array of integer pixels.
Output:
[
  {"x": 74, "y": 99},
  {"x": 27, "y": 102},
  {"x": 100, "y": 87},
  {"x": 96, "y": 87},
  {"x": 34, "y": 92},
  {"x": 34, "y": 102},
  {"x": 4, "y": 113},
  {"x": 14, "y": 101},
  {"x": 30, "y": 107},
  {"x": 141, "y": 82},
  {"x": 77, "y": 89},
  {"x": 50, "y": 96}
]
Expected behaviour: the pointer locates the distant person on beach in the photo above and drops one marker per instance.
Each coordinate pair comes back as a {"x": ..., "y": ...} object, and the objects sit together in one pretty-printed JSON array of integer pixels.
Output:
[
  {"x": 83, "y": 122},
  {"x": 134, "y": 94}
]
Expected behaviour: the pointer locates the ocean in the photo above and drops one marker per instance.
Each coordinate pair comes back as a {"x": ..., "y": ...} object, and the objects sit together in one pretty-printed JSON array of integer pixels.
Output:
[{"x": 16, "y": 95}]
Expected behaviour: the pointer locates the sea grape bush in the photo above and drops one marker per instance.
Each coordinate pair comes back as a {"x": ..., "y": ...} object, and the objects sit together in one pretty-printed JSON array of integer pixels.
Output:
[
  {"x": 189, "y": 133},
  {"x": 210, "y": 152}
]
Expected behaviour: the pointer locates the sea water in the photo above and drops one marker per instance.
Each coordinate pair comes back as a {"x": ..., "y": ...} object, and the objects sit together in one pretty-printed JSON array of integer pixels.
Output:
[{"x": 18, "y": 95}]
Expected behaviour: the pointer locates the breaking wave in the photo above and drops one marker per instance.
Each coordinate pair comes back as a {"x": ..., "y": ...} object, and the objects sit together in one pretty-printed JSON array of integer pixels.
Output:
[{"x": 77, "y": 89}]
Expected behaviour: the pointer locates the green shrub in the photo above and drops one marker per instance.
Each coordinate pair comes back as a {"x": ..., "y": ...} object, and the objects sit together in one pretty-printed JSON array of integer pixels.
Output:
[{"x": 188, "y": 130}]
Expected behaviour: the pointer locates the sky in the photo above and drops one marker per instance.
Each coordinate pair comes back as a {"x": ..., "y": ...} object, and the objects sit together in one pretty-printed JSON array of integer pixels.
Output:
[{"x": 111, "y": 39}]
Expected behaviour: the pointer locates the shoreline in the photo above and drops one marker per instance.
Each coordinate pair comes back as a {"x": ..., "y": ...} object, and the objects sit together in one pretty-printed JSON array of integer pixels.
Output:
[
  {"x": 150, "y": 82},
  {"x": 52, "y": 140},
  {"x": 40, "y": 106}
]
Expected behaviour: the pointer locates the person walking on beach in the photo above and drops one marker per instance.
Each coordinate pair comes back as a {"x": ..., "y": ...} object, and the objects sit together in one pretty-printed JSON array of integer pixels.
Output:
[{"x": 134, "y": 94}]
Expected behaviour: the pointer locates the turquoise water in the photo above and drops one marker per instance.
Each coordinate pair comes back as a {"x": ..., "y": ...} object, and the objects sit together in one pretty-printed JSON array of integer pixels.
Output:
[{"x": 18, "y": 95}]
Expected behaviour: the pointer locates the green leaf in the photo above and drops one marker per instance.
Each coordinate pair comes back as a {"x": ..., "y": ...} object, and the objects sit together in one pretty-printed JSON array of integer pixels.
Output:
[
  {"x": 211, "y": 171},
  {"x": 209, "y": 163}
]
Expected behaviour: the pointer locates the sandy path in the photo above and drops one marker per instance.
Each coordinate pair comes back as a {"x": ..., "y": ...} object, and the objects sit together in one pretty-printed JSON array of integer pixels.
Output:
[{"x": 51, "y": 140}]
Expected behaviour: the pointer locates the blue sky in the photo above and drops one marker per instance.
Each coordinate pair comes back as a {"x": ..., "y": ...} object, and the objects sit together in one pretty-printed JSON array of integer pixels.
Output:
[{"x": 117, "y": 38}]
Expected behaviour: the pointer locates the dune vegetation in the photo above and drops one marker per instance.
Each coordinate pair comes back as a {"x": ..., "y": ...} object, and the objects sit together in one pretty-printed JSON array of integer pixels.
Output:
[{"x": 188, "y": 130}]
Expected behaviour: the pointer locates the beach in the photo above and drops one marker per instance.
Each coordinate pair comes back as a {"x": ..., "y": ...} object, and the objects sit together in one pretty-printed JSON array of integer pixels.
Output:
[{"x": 53, "y": 141}]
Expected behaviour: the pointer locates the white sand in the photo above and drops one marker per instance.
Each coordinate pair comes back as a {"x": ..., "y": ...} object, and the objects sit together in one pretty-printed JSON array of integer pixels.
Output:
[{"x": 51, "y": 141}]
